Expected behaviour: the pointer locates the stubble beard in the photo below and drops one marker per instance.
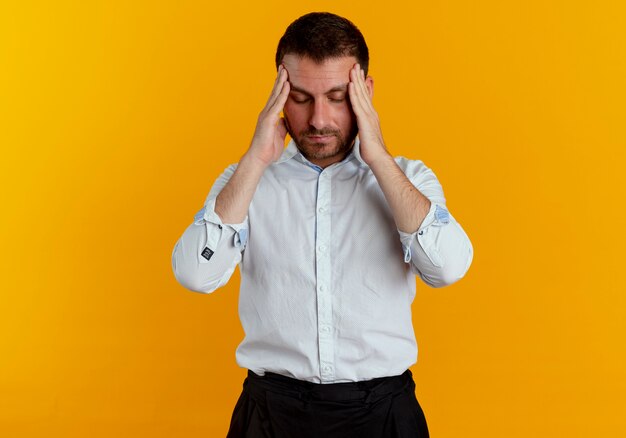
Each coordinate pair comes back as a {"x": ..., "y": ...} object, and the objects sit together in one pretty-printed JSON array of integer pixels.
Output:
[{"x": 311, "y": 150}]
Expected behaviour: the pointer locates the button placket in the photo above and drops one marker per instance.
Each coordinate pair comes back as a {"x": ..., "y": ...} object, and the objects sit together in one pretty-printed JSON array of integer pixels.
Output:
[{"x": 323, "y": 276}]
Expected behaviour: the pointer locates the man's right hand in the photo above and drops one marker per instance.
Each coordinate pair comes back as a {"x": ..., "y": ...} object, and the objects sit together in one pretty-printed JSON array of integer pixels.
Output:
[
  {"x": 233, "y": 201},
  {"x": 269, "y": 136}
]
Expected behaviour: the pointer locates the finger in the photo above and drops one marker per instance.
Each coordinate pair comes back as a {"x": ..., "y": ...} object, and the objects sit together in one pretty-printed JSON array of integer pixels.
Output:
[
  {"x": 277, "y": 80},
  {"x": 278, "y": 85},
  {"x": 355, "y": 91},
  {"x": 364, "y": 91},
  {"x": 280, "y": 79},
  {"x": 358, "y": 83},
  {"x": 279, "y": 102},
  {"x": 279, "y": 138},
  {"x": 355, "y": 100},
  {"x": 282, "y": 128}
]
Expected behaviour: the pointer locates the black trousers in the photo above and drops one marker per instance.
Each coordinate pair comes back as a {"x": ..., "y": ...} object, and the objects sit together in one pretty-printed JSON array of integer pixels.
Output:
[{"x": 275, "y": 406}]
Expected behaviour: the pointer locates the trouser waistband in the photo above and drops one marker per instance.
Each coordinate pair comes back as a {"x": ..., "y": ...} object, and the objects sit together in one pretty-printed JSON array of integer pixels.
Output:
[{"x": 368, "y": 391}]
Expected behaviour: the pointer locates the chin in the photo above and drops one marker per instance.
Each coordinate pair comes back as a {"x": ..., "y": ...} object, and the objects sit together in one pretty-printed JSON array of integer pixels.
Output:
[{"x": 320, "y": 150}]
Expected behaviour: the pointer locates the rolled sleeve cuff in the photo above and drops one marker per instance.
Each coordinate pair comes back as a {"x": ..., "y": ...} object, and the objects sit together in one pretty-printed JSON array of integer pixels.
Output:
[
  {"x": 426, "y": 236},
  {"x": 215, "y": 230}
]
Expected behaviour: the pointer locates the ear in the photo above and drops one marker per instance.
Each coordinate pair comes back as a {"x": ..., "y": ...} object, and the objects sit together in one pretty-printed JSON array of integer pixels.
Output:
[{"x": 369, "y": 83}]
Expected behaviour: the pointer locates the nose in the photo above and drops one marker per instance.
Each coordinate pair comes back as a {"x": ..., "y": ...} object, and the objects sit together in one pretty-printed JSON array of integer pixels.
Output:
[{"x": 319, "y": 114}]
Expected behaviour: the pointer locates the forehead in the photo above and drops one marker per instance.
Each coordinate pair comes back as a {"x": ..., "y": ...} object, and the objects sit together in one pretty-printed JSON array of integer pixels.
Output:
[{"x": 318, "y": 77}]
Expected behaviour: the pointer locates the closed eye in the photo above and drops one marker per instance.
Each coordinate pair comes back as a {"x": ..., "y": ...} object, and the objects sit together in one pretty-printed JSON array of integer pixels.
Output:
[
  {"x": 300, "y": 99},
  {"x": 337, "y": 96}
]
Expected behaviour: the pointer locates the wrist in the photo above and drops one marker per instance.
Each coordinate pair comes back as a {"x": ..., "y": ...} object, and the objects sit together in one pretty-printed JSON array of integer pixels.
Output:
[
  {"x": 252, "y": 163},
  {"x": 378, "y": 159}
]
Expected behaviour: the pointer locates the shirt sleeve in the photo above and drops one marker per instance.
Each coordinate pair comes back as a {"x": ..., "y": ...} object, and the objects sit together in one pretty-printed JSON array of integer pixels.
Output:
[
  {"x": 440, "y": 251},
  {"x": 206, "y": 255}
]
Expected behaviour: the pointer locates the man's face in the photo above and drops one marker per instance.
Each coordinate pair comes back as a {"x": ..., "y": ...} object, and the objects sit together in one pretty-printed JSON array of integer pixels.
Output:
[{"x": 318, "y": 111}]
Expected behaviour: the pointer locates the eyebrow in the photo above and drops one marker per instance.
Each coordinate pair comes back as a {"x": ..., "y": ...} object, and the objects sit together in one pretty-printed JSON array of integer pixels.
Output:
[{"x": 343, "y": 88}]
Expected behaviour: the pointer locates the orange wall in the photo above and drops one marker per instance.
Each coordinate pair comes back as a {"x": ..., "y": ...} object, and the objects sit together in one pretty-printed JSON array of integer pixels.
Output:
[{"x": 115, "y": 118}]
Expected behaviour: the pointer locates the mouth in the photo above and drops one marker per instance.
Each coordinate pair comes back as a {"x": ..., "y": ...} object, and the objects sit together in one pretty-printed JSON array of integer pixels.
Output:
[{"x": 320, "y": 138}]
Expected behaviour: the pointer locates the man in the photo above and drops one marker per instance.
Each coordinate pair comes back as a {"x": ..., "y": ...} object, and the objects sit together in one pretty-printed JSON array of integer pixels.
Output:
[{"x": 329, "y": 234}]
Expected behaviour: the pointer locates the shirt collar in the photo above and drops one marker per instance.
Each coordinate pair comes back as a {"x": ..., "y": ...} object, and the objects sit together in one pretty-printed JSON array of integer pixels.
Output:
[{"x": 292, "y": 150}]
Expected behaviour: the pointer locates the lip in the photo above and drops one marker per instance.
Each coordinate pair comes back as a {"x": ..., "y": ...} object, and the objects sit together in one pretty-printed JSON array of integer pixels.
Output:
[{"x": 319, "y": 138}]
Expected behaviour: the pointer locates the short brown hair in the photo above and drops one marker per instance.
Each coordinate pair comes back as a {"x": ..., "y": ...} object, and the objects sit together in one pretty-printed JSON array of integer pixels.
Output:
[{"x": 322, "y": 35}]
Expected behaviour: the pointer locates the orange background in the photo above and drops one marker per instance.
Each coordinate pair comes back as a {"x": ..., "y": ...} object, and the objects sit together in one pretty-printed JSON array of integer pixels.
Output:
[{"x": 117, "y": 116}]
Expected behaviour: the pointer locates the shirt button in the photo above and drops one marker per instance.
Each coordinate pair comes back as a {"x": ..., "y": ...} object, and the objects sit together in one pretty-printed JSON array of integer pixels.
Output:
[
  {"x": 322, "y": 248},
  {"x": 322, "y": 288},
  {"x": 326, "y": 329},
  {"x": 321, "y": 209},
  {"x": 327, "y": 369}
]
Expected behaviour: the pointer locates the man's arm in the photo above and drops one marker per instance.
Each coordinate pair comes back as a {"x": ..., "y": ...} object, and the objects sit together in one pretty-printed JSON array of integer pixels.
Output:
[
  {"x": 408, "y": 205},
  {"x": 444, "y": 255},
  {"x": 267, "y": 144},
  {"x": 206, "y": 255}
]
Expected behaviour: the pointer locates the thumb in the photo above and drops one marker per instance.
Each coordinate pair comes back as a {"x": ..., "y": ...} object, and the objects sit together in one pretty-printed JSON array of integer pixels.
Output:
[{"x": 282, "y": 128}]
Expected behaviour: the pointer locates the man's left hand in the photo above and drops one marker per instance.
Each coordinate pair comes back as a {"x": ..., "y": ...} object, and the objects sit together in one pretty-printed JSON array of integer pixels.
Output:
[{"x": 372, "y": 146}]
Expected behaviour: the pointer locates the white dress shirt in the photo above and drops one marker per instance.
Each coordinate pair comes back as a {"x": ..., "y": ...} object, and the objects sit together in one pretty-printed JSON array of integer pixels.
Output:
[{"x": 327, "y": 280}]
